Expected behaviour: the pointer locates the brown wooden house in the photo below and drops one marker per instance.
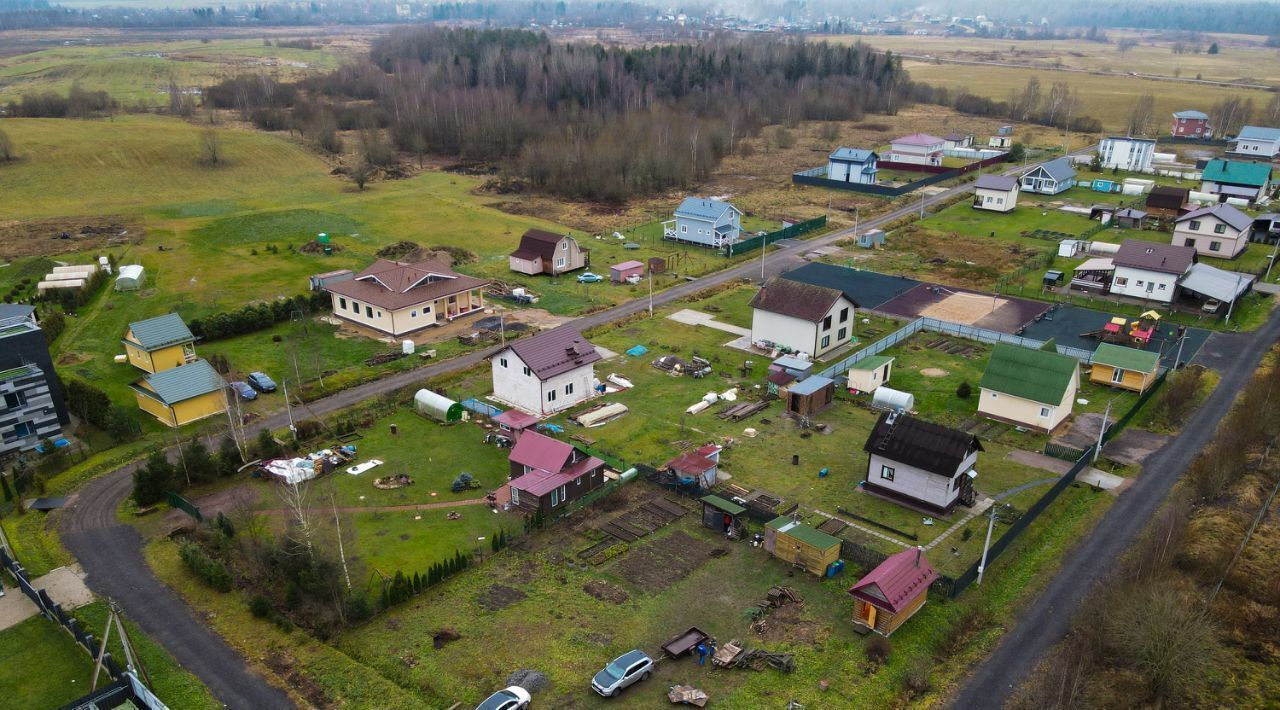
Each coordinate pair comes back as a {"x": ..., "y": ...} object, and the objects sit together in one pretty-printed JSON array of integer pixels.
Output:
[
  {"x": 547, "y": 253},
  {"x": 1167, "y": 203},
  {"x": 547, "y": 473},
  {"x": 892, "y": 592}
]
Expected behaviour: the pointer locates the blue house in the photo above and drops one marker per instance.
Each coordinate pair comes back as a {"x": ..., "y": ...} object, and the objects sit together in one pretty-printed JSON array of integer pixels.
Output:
[
  {"x": 706, "y": 222},
  {"x": 852, "y": 165},
  {"x": 1051, "y": 178}
]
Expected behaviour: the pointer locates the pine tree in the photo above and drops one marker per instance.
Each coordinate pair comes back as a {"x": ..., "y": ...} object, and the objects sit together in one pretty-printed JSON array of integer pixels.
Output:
[{"x": 4, "y": 483}]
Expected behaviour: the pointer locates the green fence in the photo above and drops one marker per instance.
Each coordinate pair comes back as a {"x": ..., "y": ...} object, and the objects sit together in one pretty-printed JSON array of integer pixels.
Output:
[
  {"x": 184, "y": 505},
  {"x": 795, "y": 230}
]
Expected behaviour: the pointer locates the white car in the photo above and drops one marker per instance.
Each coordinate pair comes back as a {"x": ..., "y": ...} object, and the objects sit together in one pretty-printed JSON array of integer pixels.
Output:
[
  {"x": 631, "y": 667},
  {"x": 510, "y": 698}
]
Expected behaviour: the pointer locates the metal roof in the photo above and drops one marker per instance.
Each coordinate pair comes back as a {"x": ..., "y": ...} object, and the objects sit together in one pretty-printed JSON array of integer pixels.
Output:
[
  {"x": 1037, "y": 375},
  {"x": 1216, "y": 283},
  {"x": 1123, "y": 358},
  {"x": 181, "y": 383},
  {"x": 702, "y": 208},
  {"x": 996, "y": 182},
  {"x": 853, "y": 155},
  {"x": 1259, "y": 133},
  {"x": 900, "y": 579},
  {"x": 791, "y": 362},
  {"x": 922, "y": 444},
  {"x": 871, "y": 363},
  {"x": 727, "y": 506},
  {"x": 1153, "y": 256},
  {"x": 1236, "y": 172},
  {"x": 923, "y": 140},
  {"x": 556, "y": 351},
  {"x": 799, "y": 531},
  {"x": 1191, "y": 113},
  {"x": 1223, "y": 212},
  {"x": 160, "y": 332},
  {"x": 811, "y": 385},
  {"x": 1059, "y": 169}
]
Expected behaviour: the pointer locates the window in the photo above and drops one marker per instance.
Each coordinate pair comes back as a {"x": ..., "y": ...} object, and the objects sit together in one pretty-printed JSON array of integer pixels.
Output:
[
  {"x": 515, "y": 496},
  {"x": 551, "y": 395},
  {"x": 23, "y": 429},
  {"x": 13, "y": 400},
  {"x": 1117, "y": 375},
  {"x": 1190, "y": 242},
  {"x": 565, "y": 245},
  {"x": 1219, "y": 229},
  {"x": 555, "y": 497},
  {"x": 1162, "y": 286},
  {"x": 1139, "y": 283},
  {"x": 342, "y": 303},
  {"x": 886, "y": 472},
  {"x": 502, "y": 361},
  {"x": 560, "y": 261},
  {"x": 1215, "y": 246},
  {"x": 987, "y": 199},
  {"x": 368, "y": 311},
  {"x": 841, "y": 335},
  {"x": 826, "y": 323},
  {"x": 1195, "y": 225},
  {"x": 379, "y": 314},
  {"x": 568, "y": 389},
  {"x": 994, "y": 395},
  {"x": 1044, "y": 412},
  {"x": 355, "y": 307},
  {"x": 684, "y": 229},
  {"x": 527, "y": 371},
  {"x": 1122, "y": 281},
  {"x": 413, "y": 314},
  {"x": 826, "y": 340},
  {"x": 844, "y": 314}
]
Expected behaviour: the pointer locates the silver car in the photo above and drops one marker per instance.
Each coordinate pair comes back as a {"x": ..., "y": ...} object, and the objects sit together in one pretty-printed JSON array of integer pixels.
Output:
[{"x": 627, "y": 669}]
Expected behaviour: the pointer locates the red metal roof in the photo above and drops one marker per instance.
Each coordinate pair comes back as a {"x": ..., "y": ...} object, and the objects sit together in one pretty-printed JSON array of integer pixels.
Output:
[
  {"x": 516, "y": 419},
  {"x": 541, "y": 451},
  {"x": 555, "y": 352},
  {"x": 546, "y": 460},
  {"x": 896, "y": 582},
  {"x": 691, "y": 462}
]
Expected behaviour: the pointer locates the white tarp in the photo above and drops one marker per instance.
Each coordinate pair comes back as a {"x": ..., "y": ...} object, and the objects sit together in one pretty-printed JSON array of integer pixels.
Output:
[{"x": 292, "y": 471}]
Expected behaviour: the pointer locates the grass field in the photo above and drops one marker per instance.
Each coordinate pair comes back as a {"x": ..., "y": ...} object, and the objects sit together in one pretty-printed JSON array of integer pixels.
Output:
[{"x": 41, "y": 666}]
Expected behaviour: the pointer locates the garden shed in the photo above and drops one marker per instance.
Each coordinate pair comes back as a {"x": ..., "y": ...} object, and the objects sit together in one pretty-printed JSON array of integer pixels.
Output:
[
  {"x": 437, "y": 406},
  {"x": 626, "y": 271},
  {"x": 811, "y": 395},
  {"x": 801, "y": 545},
  {"x": 131, "y": 278},
  {"x": 721, "y": 515},
  {"x": 892, "y": 592},
  {"x": 870, "y": 373}
]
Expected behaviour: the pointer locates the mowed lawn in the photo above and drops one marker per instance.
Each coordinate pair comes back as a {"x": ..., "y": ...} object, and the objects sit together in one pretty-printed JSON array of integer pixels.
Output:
[{"x": 41, "y": 666}]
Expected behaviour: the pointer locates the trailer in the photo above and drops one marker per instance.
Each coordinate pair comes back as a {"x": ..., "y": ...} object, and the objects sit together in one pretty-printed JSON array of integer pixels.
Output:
[{"x": 684, "y": 642}]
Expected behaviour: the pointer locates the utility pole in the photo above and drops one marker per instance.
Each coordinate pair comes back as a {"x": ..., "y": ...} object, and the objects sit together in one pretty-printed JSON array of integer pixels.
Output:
[
  {"x": 764, "y": 246},
  {"x": 922, "y": 205},
  {"x": 1231, "y": 306},
  {"x": 502, "y": 329},
  {"x": 1271, "y": 260},
  {"x": 1181, "y": 339},
  {"x": 1097, "y": 449},
  {"x": 991, "y": 524},
  {"x": 650, "y": 290}
]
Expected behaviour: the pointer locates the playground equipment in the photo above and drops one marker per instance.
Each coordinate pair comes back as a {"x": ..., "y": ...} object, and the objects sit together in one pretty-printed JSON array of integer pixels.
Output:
[{"x": 1121, "y": 330}]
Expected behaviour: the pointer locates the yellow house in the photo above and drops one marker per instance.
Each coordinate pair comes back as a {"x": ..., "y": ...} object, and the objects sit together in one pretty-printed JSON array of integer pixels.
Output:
[
  {"x": 1030, "y": 388},
  {"x": 160, "y": 343},
  {"x": 1125, "y": 368},
  {"x": 182, "y": 394}
]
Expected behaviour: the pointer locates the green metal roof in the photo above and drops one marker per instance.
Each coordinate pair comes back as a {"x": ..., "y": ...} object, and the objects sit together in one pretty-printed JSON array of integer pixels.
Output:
[
  {"x": 809, "y": 536},
  {"x": 1036, "y": 375},
  {"x": 1236, "y": 172},
  {"x": 161, "y": 331},
  {"x": 871, "y": 363},
  {"x": 181, "y": 383},
  {"x": 1124, "y": 358},
  {"x": 727, "y": 506}
]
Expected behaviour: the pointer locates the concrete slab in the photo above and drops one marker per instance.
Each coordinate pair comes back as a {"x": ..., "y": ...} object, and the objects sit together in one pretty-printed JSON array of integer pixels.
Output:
[
  {"x": 1090, "y": 475},
  {"x": 1100, "y": 479},
  {"x": 606, "y": 353},
  {"x": 64, "y": 585},
  {"x": 1082, "y": 433},
  {"x": 689, "y": 316},
  {"x": 1133, "y": 446}
]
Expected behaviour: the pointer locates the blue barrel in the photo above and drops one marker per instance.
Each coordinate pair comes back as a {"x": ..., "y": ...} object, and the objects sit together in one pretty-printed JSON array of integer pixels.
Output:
[
  {"x": 823, "y": 473},
  {"x": 835, "y": 568}
]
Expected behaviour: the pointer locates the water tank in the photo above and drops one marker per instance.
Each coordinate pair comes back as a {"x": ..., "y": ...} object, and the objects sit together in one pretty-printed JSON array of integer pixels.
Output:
[
  {"x": 894, "y": 400},
  {"x": 406, "y": 347}
]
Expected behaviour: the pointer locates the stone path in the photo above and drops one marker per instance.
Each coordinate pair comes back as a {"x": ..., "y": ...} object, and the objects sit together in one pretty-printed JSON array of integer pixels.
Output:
[
  {"x": 64, "y": 585},
  {"x": 689, "y": 316},
  {"x": 865, "y": 529},
  {"x": 978, "y": 509}
]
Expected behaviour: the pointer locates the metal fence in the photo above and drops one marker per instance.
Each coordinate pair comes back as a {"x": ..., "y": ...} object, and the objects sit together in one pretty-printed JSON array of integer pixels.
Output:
[
  {"x": 186, "y": 506},
  {"x": 795, "y": 230},
  {"x": 818, "y": 178},
  {"x": 1123, "y": 420}
]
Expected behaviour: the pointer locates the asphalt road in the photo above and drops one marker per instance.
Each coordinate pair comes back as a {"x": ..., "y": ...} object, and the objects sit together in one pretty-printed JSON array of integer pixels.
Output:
[
  {"x": 1046, "y": 622},
  {"x": 111, "y": 552}
]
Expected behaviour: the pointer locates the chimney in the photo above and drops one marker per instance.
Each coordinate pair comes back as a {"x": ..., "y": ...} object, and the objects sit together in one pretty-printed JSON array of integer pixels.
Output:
[{"x": 919, "y": 551}]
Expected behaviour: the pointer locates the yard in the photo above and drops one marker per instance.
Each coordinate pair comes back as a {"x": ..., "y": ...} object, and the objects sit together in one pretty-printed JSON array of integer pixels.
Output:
[{"x": 41, "y": 665}]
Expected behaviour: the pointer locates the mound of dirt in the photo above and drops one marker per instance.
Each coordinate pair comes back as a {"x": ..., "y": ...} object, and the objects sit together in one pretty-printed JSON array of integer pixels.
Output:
[
  {"x": 530, "y": 680},
  {"x": 314, "y": 247},
  {"x": 499, "y": 596},
  {"x": 605, "y": 592},
  {"x": 59, "y": 235},
  {"x": 934, "y": 372},
  {"x": 443, "y": 636}
]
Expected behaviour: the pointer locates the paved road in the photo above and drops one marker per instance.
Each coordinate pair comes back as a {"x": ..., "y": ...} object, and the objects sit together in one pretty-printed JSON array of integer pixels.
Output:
[
  {"x": 1077, "y": 70},
  {"x": 1236, "y": 356},
  {"x": 111, "y": 552}
]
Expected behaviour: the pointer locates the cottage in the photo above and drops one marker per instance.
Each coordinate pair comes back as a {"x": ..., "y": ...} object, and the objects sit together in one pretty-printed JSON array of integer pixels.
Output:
[
  {"x": 181, "y": 395},
  {"x": 1031, "y": 388},
  {"x": 801, "y": 317},
  {"x": 159, "y": 343},
  {"x": 1051, "y": 178},
  {"x": 810, "y": 396},
  {"x": 923, "y": 465},
  {"x": 1125, "y": 368},
  {"x": 546, "y": 474},
  {"x": 1234, "y": 178},
  {"x": 706, "y": 222},
  {"x": 869, "y": 373},
  {"x": 626, "y": 272},
  {"x": 957, "y": 141},
  {"x": 1150, "y": 270},
  {"x": 544, "y": 374},
  {"x": 1257, "y": 142},
  {"x": 892, "y": 592},
  {"x": 546, "y": 253},
  {"x": 1167, "y": 203},
  {"x": 397, "y": 298},
  {"x": 721, "y": 515},
  {"x": 996, "y": 193},
  {"x": 1133, "y": 154},
  {"x": 917, "y": 149},
  {"x": 513, "y": 423},
  {"x": 1191, "y": 124},
  {"x": 801, "y": 545},
  {"x": 1221, "y": 230},
  {"x": 701, "y": 464},
  {"x": 853, "y": 165}
]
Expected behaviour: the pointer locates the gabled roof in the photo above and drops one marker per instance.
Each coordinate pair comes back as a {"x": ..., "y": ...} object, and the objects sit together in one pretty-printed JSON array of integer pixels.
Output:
[
  {"x": 1198, "y": 115},
  {"x": 1123, "y": 358},
  {"x": 1153, "y": 256},
  {"x": 1236, "y": 172},
  {"x": 896, "y": 582},
  {"x": 537, "y": 243},
  {"x": 180, "y": 383},
  {"x": 555, "y": 352},
  {"x": 853, "y": 155},
  {"x": 1037, "y": 375},
  {"x": 921, "y": 444},
  {"x": 1058, "y": 169},
  {"x": 692, "y": 463},
  {"x": 1169, "y": 198},
  {"x": 810, "y": 536},
  {"x": 1224, "y": 213},
  {"x": 953, "y": 137},
  {"x": 810, "y": 385},
  {"x": 702, "y": 208},
  {"x": 15, "y": 310},
  {"x": 1130, "y": 213},
  {"x": 1259, "y": 133},
  {"x": 160, "y": 332},
  {"x": 871, "y": 363},
  {"x": 923, "y": 140},
  {"x": 515, "y": 419},
  {"x": 625, "y": 265},
  {"x": 797, "y": 300},
  {"x": 552, "y": 463},
  {"x": 394, "y": 285},
  {"x": 1000, "y": 183}
]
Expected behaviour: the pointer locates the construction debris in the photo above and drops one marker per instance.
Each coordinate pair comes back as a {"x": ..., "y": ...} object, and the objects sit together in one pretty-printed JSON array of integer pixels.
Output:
[
  {"x": 688, "y": 695},
  {"x": 735, "y": 655},
  {"x": 599, "y": 415},
  {"x": 384, "y": 357},
  {"x": 742, "y": 410}
]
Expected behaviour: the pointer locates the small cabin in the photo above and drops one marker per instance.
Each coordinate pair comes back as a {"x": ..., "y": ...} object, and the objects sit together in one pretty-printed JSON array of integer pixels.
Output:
[
  {"x": 1124, "y": 368},
  {"x": 801, "y": 545},
  {"x": 870, "y": 373},
  {"x": 810, "y": 395},
  {"x": 892, "y": 592}
]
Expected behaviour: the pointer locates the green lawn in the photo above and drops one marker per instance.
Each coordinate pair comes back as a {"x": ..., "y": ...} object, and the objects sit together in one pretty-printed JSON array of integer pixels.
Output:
[{"x": 41, "y": 666}]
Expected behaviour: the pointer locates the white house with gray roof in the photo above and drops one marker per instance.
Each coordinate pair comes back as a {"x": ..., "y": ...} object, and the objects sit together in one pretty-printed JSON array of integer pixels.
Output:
[
  {"x": 1052, "y": 178},
  {"x": 704, "y": 221},
  {"x": 852, "y": 165},
  {"x": 995, "y": 193},
  {"x": 1221, "y": 231},
  {"x": 1257, "y": 142}
]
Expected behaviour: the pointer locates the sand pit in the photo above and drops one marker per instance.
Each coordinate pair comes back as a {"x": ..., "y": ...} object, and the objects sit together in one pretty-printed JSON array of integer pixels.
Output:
[
  {"x": 934, "y": 372},
  {"x": 964, "y": 308}
]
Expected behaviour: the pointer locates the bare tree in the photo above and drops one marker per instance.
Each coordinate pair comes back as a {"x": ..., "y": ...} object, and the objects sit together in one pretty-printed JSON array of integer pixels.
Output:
[
  {"x": 1141, "y": 116},
  {"x": 211, "y": 146},
  {"x": 297, "y": 499},
  {"x": 6, "y": 147},
  {"x": 1126, "y": 44},
  {"x": 1229, "y": 115},
  {"x": 1059, "y": 94},
  {"x": 1024, "y": 104},
  {"x": 1271, "y": 114},
  {"x": 360, "y": 175},
  {"x": 1159, "y": 633}
]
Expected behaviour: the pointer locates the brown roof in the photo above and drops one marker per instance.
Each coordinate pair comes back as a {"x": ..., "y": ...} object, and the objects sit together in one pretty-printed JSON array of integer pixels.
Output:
[
  {"x": 394, "y": 285},
  {"x": 1153, "y": 256},
  {"x": 795, "y": 299},
  {"x": 536, "y": 243},
  {"x": 1168, "y": 198},
  {"x": 691, "y": 462},
  {"x": 555, "y": 351}
]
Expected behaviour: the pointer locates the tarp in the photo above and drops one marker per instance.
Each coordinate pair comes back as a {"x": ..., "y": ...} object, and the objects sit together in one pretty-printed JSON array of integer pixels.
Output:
[{"x": 1096, "y": 264}]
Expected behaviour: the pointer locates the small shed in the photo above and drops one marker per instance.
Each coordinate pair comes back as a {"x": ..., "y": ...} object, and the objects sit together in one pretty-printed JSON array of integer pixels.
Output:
[
  {"x": 1052, "y": 278},
  {"x": 801, "y": 545},
  {"x": 811, "y": 395},
  {"x": 1101, "y": 185},
  {"x": 626, "y": 271},
  {"x": 892, "y": 592},
  {"x": 131, "y": 278},
  {"x": 513, "y": 422},
  {"x": 870, "y": 373},
  {"x": 700, "y": 465},
  {"x": 1070, "y": 248},
  {"x": 893, "y": 400},
  {"x": 871, "y": 239},
  {"x": 721, "y": 515},
  {"x": 779, "y": 381},
  {"x": 792, "y": 365},
  {"x": 657, "y": 265},
  {"x": 1130, "y": 218},
  {"x": 437, "y": 406}
]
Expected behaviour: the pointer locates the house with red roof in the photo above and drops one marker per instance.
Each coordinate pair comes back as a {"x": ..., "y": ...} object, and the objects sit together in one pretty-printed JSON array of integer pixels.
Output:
[
  {"x": 547, "y": 473},
  {"x": 892, "y": 592},
  {"x": 547, "y": 373},
  {"x": 396, "y": 298},
  {"x": 917, "y": 148}
]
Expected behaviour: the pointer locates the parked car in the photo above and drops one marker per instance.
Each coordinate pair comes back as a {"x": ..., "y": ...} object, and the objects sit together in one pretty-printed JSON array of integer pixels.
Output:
[
  {"x": 244, "y": 390},
  {"x": 589, "y": 278},
  {"x": 626, "y": 670},
  {"x": 262, "y": 383},
  {"x": 510, "y": 698},
  {"x": 1211, "y": 306}
]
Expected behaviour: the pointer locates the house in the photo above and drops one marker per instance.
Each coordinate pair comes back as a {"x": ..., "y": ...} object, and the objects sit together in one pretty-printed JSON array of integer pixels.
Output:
[
  {"x": 1030, "y": 388},
  {"x": 921, "y": 464},
  {"x": 626, "y": 272},
  {"x": 513, "y": 423},
  {"x": 916, "y": 149},
  {"x": 810, "y": 396},
  {"x": 869, "y": 373},
  {"x": 1191, "y": 124},
  {"x": 159, "y": 343},
  {"x": 1234, "y": 178},
  {"x": 547, "y": 473},
  {"x": 544, "y": 374},
  {"x": 703, "y": 221},
  {"x": 721, "y": 515},
  {"x": 801, "y": 317},
  {"x": 801, "y": 545},
  {"x": 1257, "y": 142},
  {"x": 957, "y": 141},
  {"x": 996, "y": 193},
  {"x": 27, "y": 414},
  {"x": 181, "y": 395},
  {"x": 23, "y": 342},
  {"x": 398, "y": 298},
  {"x": 1150, "y": 270},
  {"x": 892, "y": 592},
  {"x": 1051, "y": 178},
  {"x": 701, "y": 464},
  {"x": 1125, "y": 368},
  {"x": 546, "y": 253},
  {"x": 853, "y": 165},
  {"x": 1220, "y": 230},
  {"x": 1133, "y": 154},
  {"x": 1167, "y": 203}
]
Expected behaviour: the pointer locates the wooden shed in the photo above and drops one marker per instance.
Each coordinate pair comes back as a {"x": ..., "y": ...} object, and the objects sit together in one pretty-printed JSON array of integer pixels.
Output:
[
  {"x": 801, "y": 545},
  {"x": 721, "y": 515},
  {"x": 1124, "y": 368},
  {"x": 892, "y": 592},
  {"x": 811, "y": 395}
]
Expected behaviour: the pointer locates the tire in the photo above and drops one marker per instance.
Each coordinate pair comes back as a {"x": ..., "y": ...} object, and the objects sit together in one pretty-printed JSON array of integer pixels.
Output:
[{"x": 645, "y": 676}]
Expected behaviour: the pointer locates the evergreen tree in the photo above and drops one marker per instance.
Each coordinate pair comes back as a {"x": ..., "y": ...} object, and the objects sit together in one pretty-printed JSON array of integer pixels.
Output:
[{"x": 152, "y": 480}]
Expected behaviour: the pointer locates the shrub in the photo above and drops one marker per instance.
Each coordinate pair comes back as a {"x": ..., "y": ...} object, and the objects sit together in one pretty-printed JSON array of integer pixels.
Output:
[
  {"x": 878, "y": 650},
  {"x": 964, "y": 390},
  {"x": 151, "y": 480},
  {"x": 260, "y": 606},
  {"x": 210, "y": 571},
  {"x": 917, "y": 677}
]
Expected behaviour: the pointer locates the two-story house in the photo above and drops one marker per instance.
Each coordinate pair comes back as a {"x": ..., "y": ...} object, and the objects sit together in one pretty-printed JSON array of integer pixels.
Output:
[
  {"x": 159, "y": 343},
  {"x": 852, "y": 165},
  {"x": 1220, "y": 230},
  {"x": 396, "y": 298},
  {"x": 546, "y": 373},
  {"x": 996, "y": 193},
  {"x": 801, "y": 317},
  {"x": 1236, "y": 178},
  {"x": 917, "y": 149},
  {"x": 546, "y": 474},
  {"x": 1150, "y": 270},
  {"x": 707, "y": 222},
  {"x": 1191, "y": 124},
  {"x": 547, "y": 253},
  {"x": 1134, "y": 154},
  {"x": 921, "y": 464},
  {"x": 1257, "y": 142},
  {"x": 31, "y": 403}
]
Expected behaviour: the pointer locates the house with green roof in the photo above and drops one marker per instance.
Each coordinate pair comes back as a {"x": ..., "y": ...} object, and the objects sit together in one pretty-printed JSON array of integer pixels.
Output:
[
  {"x": 1030, "y": 388},
  {"x": 1125, "y": 368},
  {"x": 183, "y": 394},
  {"x": 159, "y": 343},
  {"x": 1236, "y": 178}
]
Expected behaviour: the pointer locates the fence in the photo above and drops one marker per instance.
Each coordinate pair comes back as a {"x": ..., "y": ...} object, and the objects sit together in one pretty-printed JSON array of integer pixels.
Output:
[
  {"x": 817, "y": 177},
  {"x": 795, "y": 230},
  {"x": 186, "y": 506},
  {"x": 1123, "y": 420}
]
